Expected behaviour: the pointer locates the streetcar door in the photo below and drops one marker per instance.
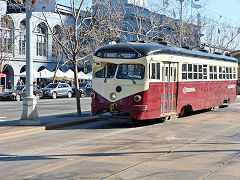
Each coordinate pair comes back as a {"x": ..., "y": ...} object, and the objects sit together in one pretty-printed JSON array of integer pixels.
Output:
[{"x": 168, "y": 98}]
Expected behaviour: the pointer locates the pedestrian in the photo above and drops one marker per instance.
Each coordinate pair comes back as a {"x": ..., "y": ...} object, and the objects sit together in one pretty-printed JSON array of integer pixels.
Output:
[
  {"x": 9, "y": 84},
  {"x": 19, "y": 83},
  {"x": 22, "y": 83},
  {"x": 35, "y": 84}
]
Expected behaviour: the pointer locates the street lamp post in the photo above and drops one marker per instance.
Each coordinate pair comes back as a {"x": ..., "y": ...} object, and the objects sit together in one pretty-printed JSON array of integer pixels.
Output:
[{"x": 30, "y": 114}]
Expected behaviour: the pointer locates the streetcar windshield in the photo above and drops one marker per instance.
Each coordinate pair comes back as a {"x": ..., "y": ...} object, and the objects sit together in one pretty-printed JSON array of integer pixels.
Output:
[
  {"x": 125, "y": 71},
  {"x": 108, "y": 71},
  {"x": 130, "y": 71}
]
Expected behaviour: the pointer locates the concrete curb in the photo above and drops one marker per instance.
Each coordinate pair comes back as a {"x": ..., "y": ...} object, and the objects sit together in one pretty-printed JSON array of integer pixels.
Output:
[
  {"x": 34, "y": 129},
  {"x": 72, "y": 123}
]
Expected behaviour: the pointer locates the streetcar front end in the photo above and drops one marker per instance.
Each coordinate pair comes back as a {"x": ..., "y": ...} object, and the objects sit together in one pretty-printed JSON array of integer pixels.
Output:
[{"x": 119, "y": 84}]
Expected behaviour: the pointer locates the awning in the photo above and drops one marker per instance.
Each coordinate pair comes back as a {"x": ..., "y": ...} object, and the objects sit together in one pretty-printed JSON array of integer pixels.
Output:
[{"x": 3, "y": 75}]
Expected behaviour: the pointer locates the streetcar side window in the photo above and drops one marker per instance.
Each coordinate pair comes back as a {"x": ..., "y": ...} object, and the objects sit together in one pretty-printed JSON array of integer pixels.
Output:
[
  {"x": 220, "y": 72},
  {"x": 205, "y": 72},
  {"x": 223, "y": 72},
  {"x": 175, "y": 74},
  {"x": 154, "y": 71},
  {"x": 230, "y": 72},
  {"x": 149, "y": 73},
  {"x": 153, "y": 75},
  {"x": 158, "y": 71},
  {"x": 211, "y": 72},
  {"x": 227, "y": 73},
  {"x": 234, "y": 73},
  {"x": 215, "y": 72},
  {"x": 200, "y": 75},
  {"x": 195, "y": 70},
  {"x": 190, "y": 68},
  {"x": 184, "y": 71}
]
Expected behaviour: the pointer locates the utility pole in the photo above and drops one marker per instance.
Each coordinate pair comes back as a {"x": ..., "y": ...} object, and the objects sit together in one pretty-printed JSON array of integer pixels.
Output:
[{"x": 30, "y": 114}]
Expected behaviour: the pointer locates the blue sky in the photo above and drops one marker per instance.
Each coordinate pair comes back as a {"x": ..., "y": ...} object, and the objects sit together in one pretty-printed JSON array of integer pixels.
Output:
[
  {"x": 229, "y": 9},
  {"x": 226, "y": 8}
]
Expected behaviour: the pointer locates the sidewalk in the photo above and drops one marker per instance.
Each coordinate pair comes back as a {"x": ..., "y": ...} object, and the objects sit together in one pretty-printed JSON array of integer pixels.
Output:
[{"x": 13, "y": 128}]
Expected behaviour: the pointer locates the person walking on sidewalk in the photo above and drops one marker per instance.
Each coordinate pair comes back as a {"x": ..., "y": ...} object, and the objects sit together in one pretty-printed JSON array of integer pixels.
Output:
[
  {"x": 9, "y": 84},
  {"x": 19, "y": 83}
]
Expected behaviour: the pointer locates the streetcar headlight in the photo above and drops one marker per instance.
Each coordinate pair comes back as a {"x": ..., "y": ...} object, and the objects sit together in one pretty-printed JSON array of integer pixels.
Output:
[
  {"x": 137, "y": 98},
  {"x": 113, "y": 96}
]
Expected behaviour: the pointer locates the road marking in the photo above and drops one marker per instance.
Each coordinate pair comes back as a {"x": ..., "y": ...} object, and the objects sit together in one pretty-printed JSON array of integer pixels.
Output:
[{"x": 14, "y": 109}]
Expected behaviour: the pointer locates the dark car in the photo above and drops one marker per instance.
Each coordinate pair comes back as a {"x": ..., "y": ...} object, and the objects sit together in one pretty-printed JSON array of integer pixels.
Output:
[
  {"x": 55, "y": 90},
  {"x": 82, "y": 89},
  {"x": 18, "y": 92}
]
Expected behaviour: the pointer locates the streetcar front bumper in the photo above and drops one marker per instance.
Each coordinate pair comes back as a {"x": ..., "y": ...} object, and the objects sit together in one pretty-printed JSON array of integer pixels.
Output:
[{"x": 135, "y": 111}]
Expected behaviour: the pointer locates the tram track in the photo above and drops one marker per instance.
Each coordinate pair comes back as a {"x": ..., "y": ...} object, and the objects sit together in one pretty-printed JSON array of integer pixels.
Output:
[
  {"x": 175, "y": 149},
  {"x": 220, "y": 166},
  {"x": 97, "y": 137}
]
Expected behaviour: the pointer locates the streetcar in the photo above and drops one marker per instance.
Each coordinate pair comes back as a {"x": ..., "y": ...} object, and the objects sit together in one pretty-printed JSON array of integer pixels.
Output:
[{"x": 151, "y": 81}]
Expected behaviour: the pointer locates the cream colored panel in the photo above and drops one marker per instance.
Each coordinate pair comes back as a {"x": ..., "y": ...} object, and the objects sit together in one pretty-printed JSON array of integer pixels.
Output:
[
  {"x": 127, "y": 85},
  {"x": 107, "y": 86}
]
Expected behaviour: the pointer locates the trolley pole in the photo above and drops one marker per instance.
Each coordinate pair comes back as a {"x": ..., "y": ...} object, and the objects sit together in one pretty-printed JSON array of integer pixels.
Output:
[{"x": 30, "y": 114}]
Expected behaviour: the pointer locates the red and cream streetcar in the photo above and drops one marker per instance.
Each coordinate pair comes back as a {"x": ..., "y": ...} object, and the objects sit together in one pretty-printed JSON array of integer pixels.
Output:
[{"x": 148, "y": 81}]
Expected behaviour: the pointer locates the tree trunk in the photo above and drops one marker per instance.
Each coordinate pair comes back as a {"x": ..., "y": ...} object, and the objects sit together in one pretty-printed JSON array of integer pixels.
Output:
[{"x": 76, "y": 86}]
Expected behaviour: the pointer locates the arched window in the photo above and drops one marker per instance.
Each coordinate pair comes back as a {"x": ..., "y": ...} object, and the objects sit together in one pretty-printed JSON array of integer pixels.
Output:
[
  {"x": 7, "y": 35},
  {"x": 42, "y": 43},
  {"x": 56, "y": 49},
  {"x": 22, "y": 37}
]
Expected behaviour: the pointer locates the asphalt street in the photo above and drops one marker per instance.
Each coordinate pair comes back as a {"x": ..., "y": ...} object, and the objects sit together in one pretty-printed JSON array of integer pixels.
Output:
[
  {"x": 12, "y": 110},
  {"x": 201, "y": 146}
]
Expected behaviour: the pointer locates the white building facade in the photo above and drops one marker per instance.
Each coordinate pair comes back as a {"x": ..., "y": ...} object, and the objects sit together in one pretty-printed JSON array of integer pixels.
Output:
[
  {"x": 141, "y": 3},
  {"x": 13, "y": 42}
]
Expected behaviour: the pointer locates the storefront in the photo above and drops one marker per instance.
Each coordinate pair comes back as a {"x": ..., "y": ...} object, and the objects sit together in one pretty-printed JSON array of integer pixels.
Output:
[{"x": 2, "y": 82}]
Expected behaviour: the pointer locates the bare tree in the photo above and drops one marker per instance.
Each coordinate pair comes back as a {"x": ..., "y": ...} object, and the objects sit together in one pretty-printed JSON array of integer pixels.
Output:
[
  {"x": 161, "y": 23},
  {"x": 82, "y": 31},
  {"x": 6, "y": 42},
  {"x": 220, "y": 35}
]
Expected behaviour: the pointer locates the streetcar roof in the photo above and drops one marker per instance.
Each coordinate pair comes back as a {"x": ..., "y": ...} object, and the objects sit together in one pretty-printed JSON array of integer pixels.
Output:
[{"x": 146, "y": 49}]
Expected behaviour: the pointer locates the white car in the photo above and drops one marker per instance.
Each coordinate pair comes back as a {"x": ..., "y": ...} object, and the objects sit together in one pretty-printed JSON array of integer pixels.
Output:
[{"x": 55, "y": 90}]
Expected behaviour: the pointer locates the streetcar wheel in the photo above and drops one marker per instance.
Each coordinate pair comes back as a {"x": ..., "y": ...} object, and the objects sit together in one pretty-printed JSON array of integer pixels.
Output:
[
  {"x": 54, "y": 95},
  {"x": 182, "y": 112}
]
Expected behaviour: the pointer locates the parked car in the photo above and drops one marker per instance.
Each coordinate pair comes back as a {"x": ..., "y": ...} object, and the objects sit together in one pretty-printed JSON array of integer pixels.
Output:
[
  {"x": 18, "y": 92},
  {"x": 82, "y": 89},
  {"x": 89, "y": 86},
  {"x": 55, "y": 90}
]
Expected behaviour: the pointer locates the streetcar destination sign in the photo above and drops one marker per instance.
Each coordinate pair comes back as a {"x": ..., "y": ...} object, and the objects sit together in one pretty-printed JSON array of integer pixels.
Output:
[{"x": 120, "y": 55}]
